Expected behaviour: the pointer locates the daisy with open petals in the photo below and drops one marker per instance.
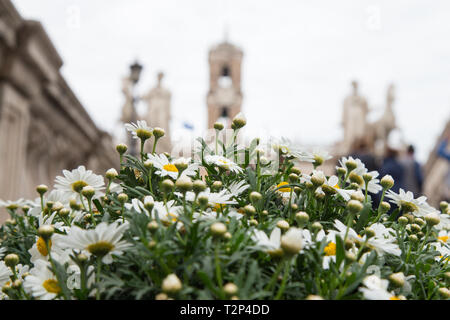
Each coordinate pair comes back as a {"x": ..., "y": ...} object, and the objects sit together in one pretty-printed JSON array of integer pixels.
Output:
[
  {"x": 224, "y": 163},
  {"x": 74, "y": 181},
  {"x": 269, "y": 245},
  {"x": 406, "y": 201},
  {"x": 5, "y": 273},
  {"x": 331, "y": 185},
  {"x": 375, "y": 288},
  {"x": 103, "y": 241},
  {"x": 41, "y": 283},
  {"x": 139, "y": 128}
]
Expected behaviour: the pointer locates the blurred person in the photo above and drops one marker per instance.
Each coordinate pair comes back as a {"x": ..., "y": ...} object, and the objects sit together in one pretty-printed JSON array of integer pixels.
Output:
[
  {"x": 412, "y": 172},
  {"x": 360, "y": 150},
  {"x": 392, "y": 166},
  {"x": 443, "y": 153}
]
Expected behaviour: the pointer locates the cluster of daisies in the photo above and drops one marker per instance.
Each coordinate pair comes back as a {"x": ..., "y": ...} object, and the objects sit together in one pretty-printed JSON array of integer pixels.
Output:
[{"x": 60, "y": 245}]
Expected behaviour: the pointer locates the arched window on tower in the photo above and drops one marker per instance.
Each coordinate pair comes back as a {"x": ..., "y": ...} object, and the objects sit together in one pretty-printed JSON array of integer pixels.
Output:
[
  {"x": 225, "y": 77},
  {"x": 224, "y": 117}
]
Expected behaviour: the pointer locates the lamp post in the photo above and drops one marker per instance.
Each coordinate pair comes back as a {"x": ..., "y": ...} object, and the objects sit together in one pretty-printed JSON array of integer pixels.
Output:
[{"x": 135, "y": 73}]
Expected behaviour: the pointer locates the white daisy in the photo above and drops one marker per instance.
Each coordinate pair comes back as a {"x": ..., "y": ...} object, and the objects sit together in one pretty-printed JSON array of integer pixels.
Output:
[
  {"x": 103, "y": 241},
  {"x": 269, "y": 245},
  {"x": 41, "y": 283},
  {"x": 39, "y": 250},
  {"x": 237, "y": 187},
  {"x": 376, "y": 289},
  {"x": 55, "y": 196},
  {"x": 405, "y": 200},
  {"x": 373, "y": 186},
  {"x": 288, "y": 149},
  {"x": 223, "y": 163},
  {"x": 163, "y": 166},
  {"x": 168, "y": 213},
  {"x": 141, "y": 125},
  {"x": 332, "y": 184},
  {"x": 74, "y": 181},
  {"x": 5, "y": 273},
  {"x": 321, "y": 155},
  {"x": 12, "y": 204}
]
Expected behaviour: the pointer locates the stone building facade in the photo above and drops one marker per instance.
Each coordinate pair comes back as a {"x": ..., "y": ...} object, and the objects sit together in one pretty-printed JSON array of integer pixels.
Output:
[{"x": 43, "y": 126}]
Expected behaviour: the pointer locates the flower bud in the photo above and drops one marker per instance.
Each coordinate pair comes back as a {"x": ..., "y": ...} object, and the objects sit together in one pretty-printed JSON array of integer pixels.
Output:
[
  {"x": 297, "y": 190},
  {"x": 397, "y": 279},
  {"x": 367, "y": 177},
  {"x": 167, "y": 186},
  {"x": 230, "y": 289},
  {"x": 218, "y": 126},
  {"x": 385, "y": 207},
  {"x": 369, "y": 232},
  {"x": 64, "y": 212},
  {"x": 45, "y": 231},
  {"x": 255, "y": 197},
  {"x": 171, "y": 284},
  {"x": 354, "y": 206},
  {"x": 41, "y": 189},
  {"x": 293, "y": 178},
  {"x": 158, "y": 132},
  {"x": 239, "y": 121},
  {"x": 283, "y": 225},
  {"x": 356, "y": 178},
  {"x": 358, "y": 195},
  {"x": 82, "y": 257},
  {"x": 314, "y": 297},
  {"x": 122, "y": 197},
  {"x": 302, "y": 218},
  {"x": 265, "y": 213},
  {"x": 350, "y": 165},
  {"x": 203, "y": 200},
  {"x": 350, "y": 257},
  {"x": 161, "y": 296},
  {"x": 291, "y": 241},
  {"x": 149, "y": 203},
  {"x": 216, "y": 185},
  {"x": 152, "y": 226},
  {"x": 387, "y": 182},
  {"x": 432, "y": 219},
  {"x": 317, "y": 226},
  {"x": 88, "y": 192},
  {"x": 249, "y": 209},
  {"x": 296, "y": 170},
  {"x": 419, "y": 221},
  {"x": 403, "y": 221},
  {"x": 111, "y": 174},
  {"x": 184, "y": 184},
  {"x": 49, "y": 204},
  {"x": 11, "y": 260},
  {"x": 218, "y": 229},
  {"x": 253, "y": 222},
  {"x": 227, "y": 236},
  {"x": 415, "y": 228},
  {"x": 74, "y": 205},
  {"x": 413, "y": 238},
  {"x": 341, "y": 171},
  {"x": 317, "y": 180},
  {"x": 199, "y": 186},
  {"x": 444, "y": 206},
  {"x": 121, "y": 148},
  {"x": 444, "y": 292}
]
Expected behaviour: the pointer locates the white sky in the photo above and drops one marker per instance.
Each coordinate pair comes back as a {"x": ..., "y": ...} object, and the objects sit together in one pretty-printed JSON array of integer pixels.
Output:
[{"x": 299, "y": 59}]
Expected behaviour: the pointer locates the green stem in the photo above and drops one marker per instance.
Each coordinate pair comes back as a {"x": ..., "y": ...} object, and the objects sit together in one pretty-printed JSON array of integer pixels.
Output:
[
  {"x": 283, "y": 282},
  {"x": 154, "y": 145},
  {"x": 97, "y": 277},
  {"x": 379, "y": 206},
  {"x": 218, "y": 270},
  {"x": 274, "y": 278}
]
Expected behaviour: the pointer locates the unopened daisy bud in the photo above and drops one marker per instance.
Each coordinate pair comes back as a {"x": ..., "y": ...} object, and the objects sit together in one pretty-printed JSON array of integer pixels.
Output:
[
  {"x": 415, "y": 228},
  {"x": 218, "y": 229},
  {"x": 152, "y": 226},
  {"x": 413, "y": 238},
  {"x": 181, "y": 164},
  {"x": 57, "y": 206},
  {"x": 227, "y": 236},
  {"x": 49, "y": 204},
  {"x": 387, "y": 182},
  {"x": 297, "y": 190},
  {"x": 259, "y": 151},
  {"x": 122, "y": 197},
  {"x": 317, "y": 226},
  {"x": 161, "y": 296},
  {"x": 356, "y": 178},
  {"x": 369, "y": 232},
  {"x": 25, "y": 209},
  {"x": 444, "y": 292},
  {"x": 294, "y": 207},
  {"x": 17, "y": 283},
  {"x": 319, "y": 195},
  {"x": 230, "y": 289},
  {"x": 199, "y": 186},
  {"x": 367, "y": 177},
  {"x": 350, "y": 165},
  {"x": 317, "y": 180},
  {"x": 309, "y": 185},
  {"x": 432, "y": 219},
  {"x": 234, "y": 298},
  {"x": 111, "y": 174},
  {"x": 443, "y": 205},
  {"x": 447, "y": 275},
  {"x": 354, "y": 206},
  {"x": 152, "y": 244},
  {"x": 350, "y": 256},
  {"x": 218, "y": 126},
  {"x": 11, "y": 260},
  {"x": 216, "y": 185},
  {"x": 291, "y": 241},
  {"x": 239, "y": 121},
  {"x": 341, "y": 171},
  {"x": 318, "y": 160},
  {"x": 167, "y": 186},
  {"x": 348, "y": 244},
  {"x": 158, "y": 132},
  {"x": 171, "y": 284},
  {"x": 6, "y": 288},
  {"x": 148, "y": 164},
  {"x": 296, "y": 170},
  {"x": 410, "y": 217},
  {"x": 403, "y": 221},
  {"x": 419, "y": 221},
  {"x": 149, "y": 203},
  {"x": 253, "y": 222},
  {"x": 121, "y": 148},
  {"x": 314, "y": 297},
  {"x": 420, "y": 234},
  {"x": 203, "y": 200},
  {"x": 283, "y": 225},
  {"x": 302, "y": 218},
  {"x": 358, "y": 195},
  {"x": 255, "y": 196},
  {"x": 82, "y": 257},
  {"x": 385, "y": 207},
  {"x": 249, "y": 209},
  {"x": 265, "y": 212},
  {"x": 293, "y": 178},
  {"x": 11, "y": 221},
  {"x": 41, "y": 189},
  {"x": 45, "y": 231},
  {"x": 354, "y": 186},
  {"x": 397, "y": 279},
  {"x": 88, "y": 192},
  {"x": 184, "y": 184},
  {"x": 64, "y": 212}
]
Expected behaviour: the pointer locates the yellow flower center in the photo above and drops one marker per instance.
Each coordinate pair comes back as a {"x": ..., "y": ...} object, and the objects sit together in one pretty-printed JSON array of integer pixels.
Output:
[
  {"x": 77, "y": 186},
  {"x": 336, "y": 186},
  {"x": 219, "y": 207},
  {"x": 283, "y": 189},
  {"x": 394, "y": 298},
  {"x": 170, "y": 167},
  {"x": 330, "y": 249},
  {"x": 52, "y": 286},
  {"x": 443, "y": 238},
  {"x": 42, "y": 246},
  {"x": 100, "y": 248},
  {"x": 171, "y": 216},
  {"x": 224, "y": 163}
]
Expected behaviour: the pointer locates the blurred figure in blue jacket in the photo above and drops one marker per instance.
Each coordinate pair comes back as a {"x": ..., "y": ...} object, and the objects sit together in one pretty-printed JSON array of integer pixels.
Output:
[{"x": 412, "y": 173}]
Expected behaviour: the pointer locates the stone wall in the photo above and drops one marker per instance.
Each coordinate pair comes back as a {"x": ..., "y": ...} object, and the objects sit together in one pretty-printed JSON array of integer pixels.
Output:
[{"x": 43, "y": 126}]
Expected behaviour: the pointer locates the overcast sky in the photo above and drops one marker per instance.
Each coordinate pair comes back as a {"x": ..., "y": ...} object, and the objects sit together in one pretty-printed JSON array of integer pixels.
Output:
[{"x": 299, "y": 59}]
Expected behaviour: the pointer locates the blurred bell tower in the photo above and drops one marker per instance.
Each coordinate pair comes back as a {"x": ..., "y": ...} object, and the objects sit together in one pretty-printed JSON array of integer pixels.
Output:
[{"x": 224, "y": 98}]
